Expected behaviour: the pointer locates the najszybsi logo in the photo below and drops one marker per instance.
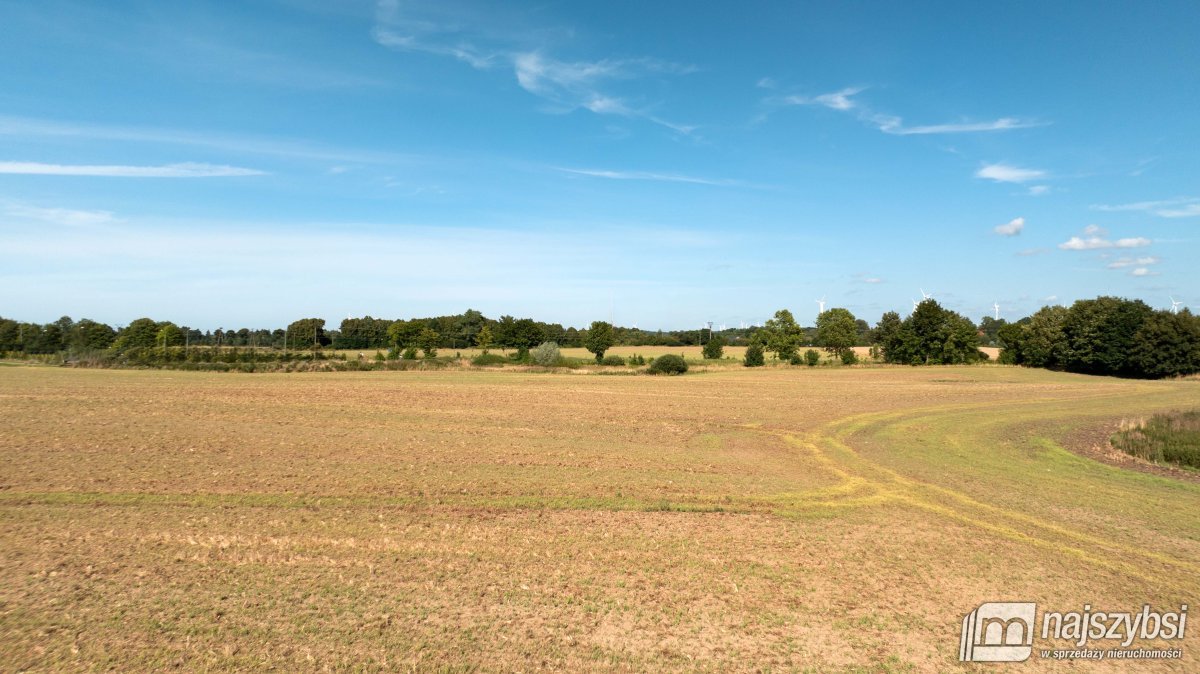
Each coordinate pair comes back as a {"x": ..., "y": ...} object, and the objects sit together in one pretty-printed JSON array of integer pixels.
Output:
[
  {"x": 1003, "y": 632},
  {"x": 998, "y": 632}
]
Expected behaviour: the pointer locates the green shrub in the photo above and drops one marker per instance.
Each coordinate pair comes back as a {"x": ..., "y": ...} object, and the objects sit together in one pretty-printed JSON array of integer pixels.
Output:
[
  {"x": 1164, "y": 438},
  {"x": 546, "y": 354},
  {"x": 668, "y": 364},
  {"x": 613, "y": 360},
  {"x": 410, "y": 353},
  {"x": 754, "y": 356},
  {"x": 849, "y": 357},
  {"x": 488, "y": 359},
  {"x": 715, "y": 348},
  {"x": 811, "y": 357},
  {"x": 637, "y": 359}
]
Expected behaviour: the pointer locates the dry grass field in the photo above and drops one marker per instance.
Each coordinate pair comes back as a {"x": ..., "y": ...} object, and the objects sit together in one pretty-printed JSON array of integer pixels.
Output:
[{"x": 773, "y": 519}]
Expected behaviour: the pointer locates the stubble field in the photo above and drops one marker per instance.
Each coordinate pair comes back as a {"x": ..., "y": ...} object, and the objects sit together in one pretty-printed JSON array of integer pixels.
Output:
[{"x": 777, "y": 519}]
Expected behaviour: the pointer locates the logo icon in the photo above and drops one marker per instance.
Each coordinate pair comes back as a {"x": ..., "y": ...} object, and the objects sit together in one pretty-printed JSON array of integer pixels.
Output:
[{"x": 998, "y": 632}]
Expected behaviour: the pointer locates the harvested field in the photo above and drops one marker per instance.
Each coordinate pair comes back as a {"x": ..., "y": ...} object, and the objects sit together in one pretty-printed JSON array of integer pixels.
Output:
[{"x": 776, "y": 519}]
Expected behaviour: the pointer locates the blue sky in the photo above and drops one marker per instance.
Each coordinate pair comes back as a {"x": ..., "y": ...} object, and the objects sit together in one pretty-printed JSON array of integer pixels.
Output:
[{"x": 244, "y": 164}]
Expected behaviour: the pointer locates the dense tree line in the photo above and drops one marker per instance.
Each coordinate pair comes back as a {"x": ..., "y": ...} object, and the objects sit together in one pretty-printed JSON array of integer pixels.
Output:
[{"x": 1106, "y": 336}]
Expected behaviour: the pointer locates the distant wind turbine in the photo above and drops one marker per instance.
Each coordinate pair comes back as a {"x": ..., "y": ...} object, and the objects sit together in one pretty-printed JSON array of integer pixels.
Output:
[
  {"x": 925, "y": 295},
  {"x": 1175, "y": 306},
  {"x": 820, "y": 305},
  {"x": 915, "y": 303},
  {"x": 997, "y": 308}
]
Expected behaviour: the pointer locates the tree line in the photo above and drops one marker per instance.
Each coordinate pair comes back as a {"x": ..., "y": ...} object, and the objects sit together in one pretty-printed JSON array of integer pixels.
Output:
[{"x": 1104, "y": 336}]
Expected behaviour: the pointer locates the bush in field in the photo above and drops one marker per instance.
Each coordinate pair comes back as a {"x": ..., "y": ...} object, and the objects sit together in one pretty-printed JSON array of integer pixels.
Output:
[
  {"x": 546, "y": 354},
  {"x": 668, "y": 364},
  {"x": 754, "y": 356},
  {"x": 613, "y": 360},
  {"x": 487, "y": 359},
  {"x": 410, "y": 353},
  {"x": 637, "y": 359},
  {"x": 849, "y": 357},
  {"x": 715, "y": 348},
  {"x": 811, "y": 357}
]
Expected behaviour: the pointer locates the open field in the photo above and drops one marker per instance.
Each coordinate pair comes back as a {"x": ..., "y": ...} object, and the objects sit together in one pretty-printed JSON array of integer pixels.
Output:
[{"x": 775, "y": 519}]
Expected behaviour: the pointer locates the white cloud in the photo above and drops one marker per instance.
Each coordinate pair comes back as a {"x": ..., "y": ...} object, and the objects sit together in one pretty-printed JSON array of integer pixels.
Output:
[
  {"x": 1011, "y": 228},
  {"x": 872, "y": 279},
  {"x": 1095, "y": 230},
  {"x": 184, "y": 170},
  {"x": 766, "y": 83},
  {"x": 1180, "y": 207},
  {"x": 894, "y": 125},
  {"x": 1123, "y": 262},
  {"x": 843, "y": 101},
  {"x": 1004, "y": 173},
  {"x": 282, "y": 147},
  {"x": 1142, "y": 271},
  {"x": 60, "y": 216},
  {"x": 645, "y": 175},
  {"x": 1099, "y": 243},
  {"x": 1038, "y": 190},
  {"x": 567, "y": 85}
]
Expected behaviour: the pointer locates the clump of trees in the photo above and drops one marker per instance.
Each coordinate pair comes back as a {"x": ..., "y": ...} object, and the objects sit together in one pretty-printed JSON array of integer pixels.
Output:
[
  {"x": 837, "y": 332},
  {"x": 931, "y": 335},
  {"x": 1106, "y": 336}
]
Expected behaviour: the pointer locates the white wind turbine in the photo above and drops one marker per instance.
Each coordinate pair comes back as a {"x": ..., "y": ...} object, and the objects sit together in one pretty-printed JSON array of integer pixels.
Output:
[
  {"x": 820, "y": 305},
  {"x": 915, "y": 303},
  {"x": 925, "y": 295},
  {"x": 996, "y": 307},
  {"x": 1175, "y": 306}
]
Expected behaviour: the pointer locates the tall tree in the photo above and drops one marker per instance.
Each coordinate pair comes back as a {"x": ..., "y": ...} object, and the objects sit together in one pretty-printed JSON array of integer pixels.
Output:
[
  {"x": 599, "y": 339},
  {"x": 837, "y": 331}
]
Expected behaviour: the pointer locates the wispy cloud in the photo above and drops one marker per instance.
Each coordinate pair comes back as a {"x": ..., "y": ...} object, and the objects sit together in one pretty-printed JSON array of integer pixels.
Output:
[
  {"x": 895, "y": 125},
  {"x": 1011, "y": 228},
  {"x": 184, "y": 170},
  {"x": 1038, "y": 190},
  {"x": 566, "y": 85},
  {"x": 1125, "y": 262},
  {"x": 1143, "y": 271},
  {"x": 843, "y": 100},
  {"x": 647, "y": 175},
  {"x": 21, "y": 127},
  {"x": 1179, "y": 207},
  {"x": 838, "y": 100},
  {"x": 67, "y": 217},
  {"x": 1005, "y": 173}
]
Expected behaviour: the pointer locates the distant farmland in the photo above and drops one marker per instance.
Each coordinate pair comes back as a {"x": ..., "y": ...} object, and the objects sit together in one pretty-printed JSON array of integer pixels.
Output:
[{"x": 773, "y": 519}]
